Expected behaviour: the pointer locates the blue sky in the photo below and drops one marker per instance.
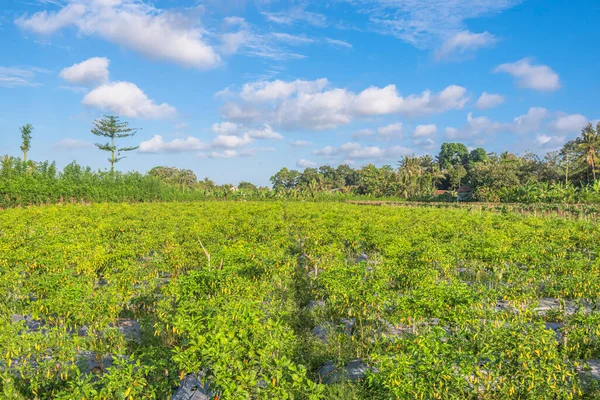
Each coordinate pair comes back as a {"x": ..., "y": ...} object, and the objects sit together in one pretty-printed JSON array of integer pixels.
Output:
[{"x": 237, "y": 89}]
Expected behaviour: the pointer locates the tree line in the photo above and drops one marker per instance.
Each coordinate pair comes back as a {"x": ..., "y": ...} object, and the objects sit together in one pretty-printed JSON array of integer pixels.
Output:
[{"x": 566, "y": 176}]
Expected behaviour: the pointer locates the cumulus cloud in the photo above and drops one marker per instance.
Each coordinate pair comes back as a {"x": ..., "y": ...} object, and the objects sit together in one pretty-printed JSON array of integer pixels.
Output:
[
  {"x": 464, "y": 42},
  {"x": 548, "y": 142},
  {"x": 125, "y": 98},
  {"x": 155, "y": 33},
  {"x": 530, "y": 76},
  {"x": 305, "y": 164},
  {"x": 237, "y": 153},
  {"x": 569, "y": 123},
  {"x": 489, "y": 100},
  {"x": 265, "y": 133},
  {"x": 381, "y": 101},
  {"x": 224, "y": 154},
  {"x": 425, "y": 130},
  {"x": 390, "y": 130},
  {"x": 158, "y": 145},
  {"x": 532, "y": 121},
  {"x": 229, "y": 137},
  {"x": 264, "y": 91},
  {"x": 476, "y": 127},
  {"x": 535, "y": 121},
  {"x": 314, "y": 105},
  {"x": 226, "y": 128},
  {"x": 230, "y": 141},
  {"x": 91, "y": 71},
  {"x": 352, "y": 150}
]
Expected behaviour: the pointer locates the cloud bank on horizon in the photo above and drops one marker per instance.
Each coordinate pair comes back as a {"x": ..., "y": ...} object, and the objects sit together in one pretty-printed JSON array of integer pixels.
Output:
[{"x": 243, "y": 88}]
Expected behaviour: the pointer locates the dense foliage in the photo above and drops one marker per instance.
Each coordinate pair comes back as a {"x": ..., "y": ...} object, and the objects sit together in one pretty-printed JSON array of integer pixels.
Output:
[
  {"x": 566, "y": 176},
  {"x": 439, "y": 304},
  {"x": 29, "y": 183}
]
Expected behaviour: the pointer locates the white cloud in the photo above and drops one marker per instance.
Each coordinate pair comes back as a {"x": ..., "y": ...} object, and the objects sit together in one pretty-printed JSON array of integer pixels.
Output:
[
  {"x": 293, "y": 39},
  {"x": 353, "y": 150},
  {"x": 390, "y": 130},
  {"x": 532, "y": 121},
  {"x": 572, "y": 123},
  {"x": 311, "y": 105},
  {"x": 224, "y": 154},
  {"x": 125, "y": 98},
  {"x": 476, "y": 127},
  {"x": 249, "y": 41},
  {"x": 545, "y": 140},
  {"x": 381, "y": 101},
  {"x": 232, "y": 42},
  {"x": 155, "y": 33},
  {"x": 305, "y": 164},
  {"x": 229, "y": 136},
  {"x": 17, "y": 77},
  {"x": 47, "y": 23},
  {"x": 465, "y": 41},
  {"x": 68, "y": 144},
  {"x": 230, "y": 141},
  {"x": 91, "y": 71},
  {"x": 229, "y": 153},
  {"x": 265, "y": 133},
  {"x": 425, "y": 130},
  {"x": 537, "y": 77},
  {"x": 326, "y": 151},
  {"x": 426, "y": 23},
  {"x": 489, "y": 100},
  {"x": 339, "y": 43},
  {"x": 301, "y": 143},
  {"x": 241, "y": 113},
  {"x": 226, "y": 128},
  {"x": 295, "y": 15},
  {"x": 235, "y": 21},
  {"x": 263, "y": 91},
  {"x": 158, "y": 145}
]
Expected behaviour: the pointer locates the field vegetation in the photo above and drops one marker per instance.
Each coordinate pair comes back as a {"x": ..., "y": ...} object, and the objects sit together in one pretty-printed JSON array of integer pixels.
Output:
[{"x": 296, "y": 300}]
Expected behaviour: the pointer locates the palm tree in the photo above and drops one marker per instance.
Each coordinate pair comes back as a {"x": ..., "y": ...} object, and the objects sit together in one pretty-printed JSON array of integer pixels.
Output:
[
  {"x": 436, "y": 175},
  {"x": 589, "y": 146},
  {"x": 409, "y": 175},
  {"x": 410, "y": 166}
]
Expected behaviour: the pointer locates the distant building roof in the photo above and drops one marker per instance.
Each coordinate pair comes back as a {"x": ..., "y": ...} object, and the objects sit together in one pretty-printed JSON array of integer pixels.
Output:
[{"x": 465, "y": 189}]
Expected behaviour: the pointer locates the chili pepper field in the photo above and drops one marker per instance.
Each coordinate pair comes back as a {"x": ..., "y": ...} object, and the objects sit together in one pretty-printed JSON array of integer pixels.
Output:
[{"x": 297, "y": 300}]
